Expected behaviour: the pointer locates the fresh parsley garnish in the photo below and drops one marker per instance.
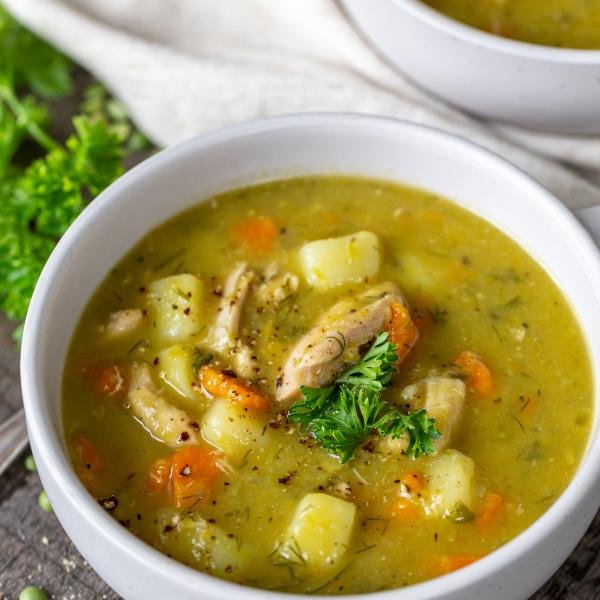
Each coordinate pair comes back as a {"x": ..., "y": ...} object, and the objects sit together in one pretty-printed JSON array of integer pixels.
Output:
[
  {"x": 343, "y": 415},
  {"x": 41, "y": 198}
]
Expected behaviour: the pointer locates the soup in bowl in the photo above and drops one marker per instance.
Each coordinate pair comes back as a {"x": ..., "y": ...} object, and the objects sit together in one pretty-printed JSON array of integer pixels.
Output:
[
  {"x": 526, "y": 63},
  {"x": 560, "y": 23},
  {"x": 329, "y": 382}
]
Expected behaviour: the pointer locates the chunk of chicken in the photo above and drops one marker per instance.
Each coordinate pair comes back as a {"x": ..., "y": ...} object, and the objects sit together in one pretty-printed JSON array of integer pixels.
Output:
[
  {"x": 122, "y": 323},
  {"x": 335, "y": 341},
  {"x": 224, "y": 335},
  {"x": 275, "y": 289},
  {"x": 443, "y": 398},
  {"x": 160, "y": 418}
]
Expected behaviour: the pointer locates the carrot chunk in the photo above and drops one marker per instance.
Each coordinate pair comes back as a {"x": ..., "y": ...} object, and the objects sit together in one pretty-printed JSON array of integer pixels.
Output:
[
  {"x": 194, "y": 471},
  {"x": 188, "y": 475},
  {"x": 258, "y": 234},
  {"x": 108, "y": 380},
  {"x": 479, "y": 376},
  {"x": 448, "y": 563},
  {"x": 88, "y": 462},
  {"x": 403, "y": 332},
  {"x": 491, "y": 511},
  {"x": 222, "y": 385}
]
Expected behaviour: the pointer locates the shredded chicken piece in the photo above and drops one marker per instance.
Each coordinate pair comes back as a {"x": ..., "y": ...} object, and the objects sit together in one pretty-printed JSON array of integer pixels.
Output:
[
  {"x": 160, "y": 418},
  {"x": 224, "y": 337},
  {"x": 337, "y": 339},
  {"x": 123, "y": 323},
  {"x": 274, "y": 290}
]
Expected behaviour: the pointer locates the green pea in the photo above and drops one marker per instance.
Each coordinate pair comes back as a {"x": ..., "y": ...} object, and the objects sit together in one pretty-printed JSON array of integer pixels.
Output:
[
  {"x": 30, "y": 464},
  {"x": 32, "y": 592},
  {"x": 44, "y": 501}
]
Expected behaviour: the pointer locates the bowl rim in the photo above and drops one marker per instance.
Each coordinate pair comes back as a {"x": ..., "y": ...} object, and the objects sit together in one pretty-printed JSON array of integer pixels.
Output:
[
  {"x": 493, "y": 42},
  {"x": 47, "y": 443}
]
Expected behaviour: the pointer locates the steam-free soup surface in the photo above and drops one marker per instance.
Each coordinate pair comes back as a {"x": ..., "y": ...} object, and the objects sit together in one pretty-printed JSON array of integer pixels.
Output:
[
  {"x": 563, "y": 23},
  {"x": 181, "y": 394}
]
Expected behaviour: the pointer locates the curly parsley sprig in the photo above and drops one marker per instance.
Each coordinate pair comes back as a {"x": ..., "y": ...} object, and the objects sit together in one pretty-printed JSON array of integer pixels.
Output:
[
  {"x": 42, "y": 198},
  {"x": 343, "y": 415}
]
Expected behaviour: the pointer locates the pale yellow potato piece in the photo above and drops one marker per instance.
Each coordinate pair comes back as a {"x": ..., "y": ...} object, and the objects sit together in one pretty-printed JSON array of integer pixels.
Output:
[
  {"x": 320, "y": 531},
  {"x": 335, "y": 261},
  {"x": 449, "y": 483},
  {"x": 233, "y": 430},
  {"x": 175, "y": 368},
  {"x": 176, "y": 308},
  {"x": 209, "y": 546}
]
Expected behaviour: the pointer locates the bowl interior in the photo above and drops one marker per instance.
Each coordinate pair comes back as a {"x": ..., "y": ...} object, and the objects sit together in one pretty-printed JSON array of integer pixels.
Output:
[{"x": 325, "y": 144}]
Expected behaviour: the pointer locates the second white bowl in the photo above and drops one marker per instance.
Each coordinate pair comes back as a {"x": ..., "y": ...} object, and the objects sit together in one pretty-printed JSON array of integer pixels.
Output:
[{"x": 539, "y": 87}]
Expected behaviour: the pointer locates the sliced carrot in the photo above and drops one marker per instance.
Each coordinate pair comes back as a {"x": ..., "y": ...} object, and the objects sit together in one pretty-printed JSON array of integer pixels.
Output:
[
  {"x": 403, "y": 332},
  {"x": 406, "y": 510},
  {"x": 89, "y": 463},
  {"x": 480, "y": 378},
  {"x": 160, "y": 473},
  {"x": 414, "y": 481},
  {"x": 491, "y": 511},
  {"x": 194, "y": 471},
  {"x": 109, "y": 380},
  {"x": 448, "y": 563},
  {"x": 222, "y": 385},
  {"x": 258, "y": 234}
]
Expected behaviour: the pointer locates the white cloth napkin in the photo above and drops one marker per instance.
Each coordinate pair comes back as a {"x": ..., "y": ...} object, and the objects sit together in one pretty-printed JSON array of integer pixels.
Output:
[{"x": 186, "y": 66}]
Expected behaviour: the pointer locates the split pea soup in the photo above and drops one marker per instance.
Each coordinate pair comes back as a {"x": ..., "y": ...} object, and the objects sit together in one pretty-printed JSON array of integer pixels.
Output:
[
  {"x": 562, "y": 23},
  {"x": 327, "y": 384}
]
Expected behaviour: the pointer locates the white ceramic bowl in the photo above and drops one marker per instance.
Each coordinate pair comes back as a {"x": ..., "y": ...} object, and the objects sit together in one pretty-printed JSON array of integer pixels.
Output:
[
  {"x": 553, "y": 89},
  {"x": 186, "y": 174}
]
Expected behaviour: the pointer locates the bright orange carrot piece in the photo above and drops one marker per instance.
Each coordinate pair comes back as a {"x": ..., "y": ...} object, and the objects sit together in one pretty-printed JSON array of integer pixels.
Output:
[
  {"x": 480, "y": 378},
  {"x": 491, "y": 511},
  {"x": 448, "y": 563},
  {"x": 222, "y": 385},
  {"x": 403, "y": 332},
  {"x": 194, "y": 471},
  {"x": 258, "y": 234}
]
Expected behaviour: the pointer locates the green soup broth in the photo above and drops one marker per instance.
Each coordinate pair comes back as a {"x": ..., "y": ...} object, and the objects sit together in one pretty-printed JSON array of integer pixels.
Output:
[
  {"x": 473, "y": 289},
  {"x": 561, "y": 23}
]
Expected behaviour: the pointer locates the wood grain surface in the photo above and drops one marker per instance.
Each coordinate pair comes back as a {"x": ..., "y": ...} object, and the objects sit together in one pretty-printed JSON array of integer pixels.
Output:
[{"x": 34, "y": 550}]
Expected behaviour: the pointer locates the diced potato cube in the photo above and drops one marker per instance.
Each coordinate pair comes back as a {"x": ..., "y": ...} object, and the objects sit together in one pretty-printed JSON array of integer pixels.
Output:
[
  {"x": 335, "y": 261},
  {"x": 175, "y": 367},
  {"x": 450, "y": 483},
  {"x": 176, "y": 307},
  {"x": 320, "y": 531},
  {"x": 233, "y": 429},
  {"x": 185, "y": 536}
]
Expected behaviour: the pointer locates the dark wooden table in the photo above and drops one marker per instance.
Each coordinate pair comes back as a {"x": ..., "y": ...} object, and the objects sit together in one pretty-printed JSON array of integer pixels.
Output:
[{"x": 34, "y": 549}]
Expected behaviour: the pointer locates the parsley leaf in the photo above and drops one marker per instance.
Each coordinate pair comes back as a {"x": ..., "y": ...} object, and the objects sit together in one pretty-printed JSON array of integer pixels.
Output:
[
  {"x": 42, "y": 198},
  {"x": 342, "y": 416}
]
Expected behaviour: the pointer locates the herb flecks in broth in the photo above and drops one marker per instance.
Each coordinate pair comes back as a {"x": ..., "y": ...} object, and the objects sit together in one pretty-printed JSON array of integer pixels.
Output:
[{"x": 189, "y": 357}]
